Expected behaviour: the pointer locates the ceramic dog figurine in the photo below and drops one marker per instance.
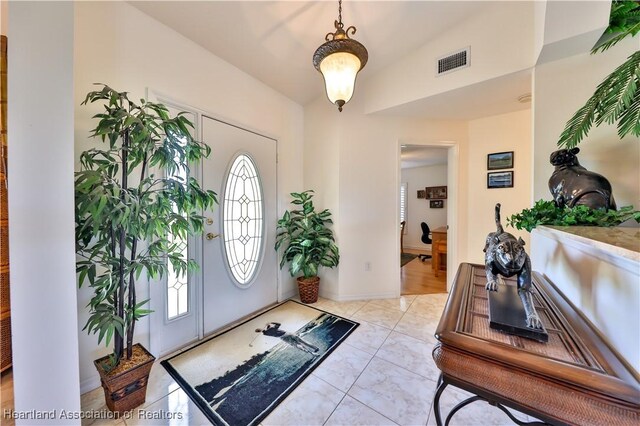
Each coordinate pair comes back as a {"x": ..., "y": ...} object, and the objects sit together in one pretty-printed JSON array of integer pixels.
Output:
[
  {"x": 572, "y": 185},
  {"x": 504, "y": 255}
]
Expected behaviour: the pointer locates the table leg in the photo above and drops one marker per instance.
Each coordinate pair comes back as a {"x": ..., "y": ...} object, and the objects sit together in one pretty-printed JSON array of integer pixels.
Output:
[
  {"x": 436, "y": 399},
  {"x": 442, "y": 384}
]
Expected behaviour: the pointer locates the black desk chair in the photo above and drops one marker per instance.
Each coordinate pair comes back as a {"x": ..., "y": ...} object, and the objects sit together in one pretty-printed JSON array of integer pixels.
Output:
[{"x": 426, "y": 238}]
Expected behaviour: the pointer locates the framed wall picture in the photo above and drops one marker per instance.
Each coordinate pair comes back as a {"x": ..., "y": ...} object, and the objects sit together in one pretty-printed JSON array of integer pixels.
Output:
[
  {"x": 436, "y": 204},
  {"x": 422, "y": 193},
  {"x": 500, "y": 160},
  {"x": 500, "y": 180},
  {"x": 436, "y": 192}
]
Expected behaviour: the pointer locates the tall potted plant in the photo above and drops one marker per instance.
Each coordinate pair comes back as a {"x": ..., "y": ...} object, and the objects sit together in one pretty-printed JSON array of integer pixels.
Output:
[
  {"x": 135, "y": 206},
  {"x": 307, "y": 244}
]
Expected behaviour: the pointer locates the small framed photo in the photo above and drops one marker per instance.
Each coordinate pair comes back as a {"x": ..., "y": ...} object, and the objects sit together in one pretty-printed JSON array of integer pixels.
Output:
[
  {"x": 436, "y": 192},
  {"x": 500, "y": 180},
  {"x": 436, "y": 204},
  {"x": 422, "y": 193},
  {"x": 500, "y": 160}
]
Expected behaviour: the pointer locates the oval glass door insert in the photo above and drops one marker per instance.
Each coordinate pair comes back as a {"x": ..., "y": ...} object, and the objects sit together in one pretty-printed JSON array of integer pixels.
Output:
[{"x": 242, "y": 220}]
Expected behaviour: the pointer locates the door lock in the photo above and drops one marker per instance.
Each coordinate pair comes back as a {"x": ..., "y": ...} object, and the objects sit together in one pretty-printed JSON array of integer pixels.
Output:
[
  {"x": 211, "y": 236},
  {"x": 209, "y": 221}
]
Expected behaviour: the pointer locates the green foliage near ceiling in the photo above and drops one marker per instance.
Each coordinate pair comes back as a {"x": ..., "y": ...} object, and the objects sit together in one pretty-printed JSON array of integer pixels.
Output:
[{"x": 617, "y": 98}]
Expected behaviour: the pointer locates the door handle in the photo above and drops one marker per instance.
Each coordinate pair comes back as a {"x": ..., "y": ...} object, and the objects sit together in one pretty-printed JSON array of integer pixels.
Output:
[{"x": 211, "y": 236}]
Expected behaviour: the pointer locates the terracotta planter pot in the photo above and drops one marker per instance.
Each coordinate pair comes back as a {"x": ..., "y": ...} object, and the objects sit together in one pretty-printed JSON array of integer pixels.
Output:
[
  {"x": 308, "y": 289},
  {"x": 127, "y": 390}
]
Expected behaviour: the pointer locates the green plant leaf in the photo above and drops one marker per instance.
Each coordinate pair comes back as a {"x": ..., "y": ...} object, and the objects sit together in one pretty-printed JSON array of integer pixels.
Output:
[{"x": 547, "y": 213}]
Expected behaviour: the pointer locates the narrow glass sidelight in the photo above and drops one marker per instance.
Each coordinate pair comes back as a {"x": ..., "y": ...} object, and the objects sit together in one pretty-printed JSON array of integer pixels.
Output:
[
  {"x": 178, "y": 281},
  {"x": 243, "y": 220}
]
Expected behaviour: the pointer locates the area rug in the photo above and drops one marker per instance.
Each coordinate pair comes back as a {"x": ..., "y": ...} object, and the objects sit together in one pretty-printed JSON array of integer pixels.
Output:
[
  {"x": 240, "y": 375},
  {"x": 406, "y": 258}
]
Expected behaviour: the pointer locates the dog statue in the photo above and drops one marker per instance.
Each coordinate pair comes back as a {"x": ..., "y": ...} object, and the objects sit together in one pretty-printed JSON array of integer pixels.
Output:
[
  {"x": 572, "y": 185},
  {"x": 504, "y": 255}
]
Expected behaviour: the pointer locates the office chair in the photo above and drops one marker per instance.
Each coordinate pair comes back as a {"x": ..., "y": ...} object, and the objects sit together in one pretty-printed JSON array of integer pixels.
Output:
[{"x": 426, "y": 238}]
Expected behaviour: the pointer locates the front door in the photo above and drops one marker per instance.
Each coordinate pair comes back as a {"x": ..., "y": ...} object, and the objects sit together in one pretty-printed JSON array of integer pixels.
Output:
[{"x": 239, "y": 263}]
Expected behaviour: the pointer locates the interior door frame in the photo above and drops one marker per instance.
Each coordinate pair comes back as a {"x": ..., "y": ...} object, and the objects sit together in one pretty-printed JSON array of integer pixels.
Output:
[
  {"x": 453, "y": 217},
  {"x": 156, "y": 324}
]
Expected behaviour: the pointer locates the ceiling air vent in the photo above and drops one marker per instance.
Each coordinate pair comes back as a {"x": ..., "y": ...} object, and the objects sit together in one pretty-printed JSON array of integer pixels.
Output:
[{"x": 453, "y": 61}]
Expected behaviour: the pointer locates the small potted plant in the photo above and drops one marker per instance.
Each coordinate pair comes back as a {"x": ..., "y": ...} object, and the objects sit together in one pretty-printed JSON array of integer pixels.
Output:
[
  {"x": 307, "y": 244},
  {"x": 135, "y": 206}
]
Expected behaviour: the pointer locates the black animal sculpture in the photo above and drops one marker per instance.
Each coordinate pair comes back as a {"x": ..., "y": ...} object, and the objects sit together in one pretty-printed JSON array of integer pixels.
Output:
[
  {"x": 572, "y": 185},
  {"x": 504, "y": 255}
]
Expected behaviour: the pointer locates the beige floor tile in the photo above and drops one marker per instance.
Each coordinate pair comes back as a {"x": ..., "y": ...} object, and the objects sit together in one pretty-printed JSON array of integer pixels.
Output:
[
  {"x": 377, "y": 315},
  {"x": 344, "y": 309},
  {"x": 418, "y": 327},
  {"x": 402, "y": 396},
  {"x": 401, "y": 303},
  {"x": 353, "y": 413},
  {"x": 411, "y": 354},
  {"x": 368, "y": 337},
  {"x": 93, "y": 402},
  {"x": 343, "y": 366},
  {"x": 160, "y": 384},
  {"x": 309, "y": 404},
  {"x": 175, "y": 409}
]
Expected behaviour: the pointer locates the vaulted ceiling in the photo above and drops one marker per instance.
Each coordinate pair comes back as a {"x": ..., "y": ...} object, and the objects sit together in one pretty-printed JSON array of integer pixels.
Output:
[{"x": 274, "y": 41}]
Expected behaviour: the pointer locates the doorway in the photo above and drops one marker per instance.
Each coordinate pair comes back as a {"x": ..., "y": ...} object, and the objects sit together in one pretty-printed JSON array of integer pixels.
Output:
[
  {"x": 238, "y": 266},
  {"x": 425, "y": 203}
]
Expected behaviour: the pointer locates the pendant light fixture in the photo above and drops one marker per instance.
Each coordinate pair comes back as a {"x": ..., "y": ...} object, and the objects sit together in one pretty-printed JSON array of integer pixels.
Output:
[{"x": 339, "y": 60}]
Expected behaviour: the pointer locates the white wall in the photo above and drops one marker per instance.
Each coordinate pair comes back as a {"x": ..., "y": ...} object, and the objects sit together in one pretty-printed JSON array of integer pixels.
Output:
[
  {"x": 45, "y": 340},
  {"x": 117, "y": 44},
  {"x": 560, "y": 89},
  {"x": 505, "y": 132},
  {"x": 418, "y": 210},
  {"x": 493, "y": 54},
  {"x": 322, "y": 174},
  {"x": 599, "y": 279},
  {"x": 367, "y": 179}
]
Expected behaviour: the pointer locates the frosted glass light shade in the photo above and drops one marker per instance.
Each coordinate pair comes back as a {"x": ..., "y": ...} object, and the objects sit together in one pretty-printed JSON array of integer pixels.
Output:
[{"x": 339, "y": 71}]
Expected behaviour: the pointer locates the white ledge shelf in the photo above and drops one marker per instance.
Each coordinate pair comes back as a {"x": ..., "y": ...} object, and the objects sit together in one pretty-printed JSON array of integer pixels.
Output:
[
  {"x": 616, "y": 241},
  {"x": 598, "y": 270}
]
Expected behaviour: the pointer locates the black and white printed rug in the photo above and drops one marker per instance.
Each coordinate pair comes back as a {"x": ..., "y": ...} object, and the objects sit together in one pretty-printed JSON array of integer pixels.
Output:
[{"x": 240, "y": 375}]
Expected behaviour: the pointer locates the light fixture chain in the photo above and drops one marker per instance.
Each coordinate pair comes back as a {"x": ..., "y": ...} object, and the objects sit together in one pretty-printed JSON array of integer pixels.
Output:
[{"x": 340, "y": 11}]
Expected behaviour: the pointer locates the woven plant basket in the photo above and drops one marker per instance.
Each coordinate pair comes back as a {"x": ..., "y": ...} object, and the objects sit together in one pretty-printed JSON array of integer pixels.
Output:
[
  {"x": 308, "y": 288},
  {"x": 127, "y": 390}
]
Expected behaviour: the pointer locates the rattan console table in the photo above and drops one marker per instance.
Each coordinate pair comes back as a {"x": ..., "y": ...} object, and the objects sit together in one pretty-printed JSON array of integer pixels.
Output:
[{"x": 575, "y": 378}]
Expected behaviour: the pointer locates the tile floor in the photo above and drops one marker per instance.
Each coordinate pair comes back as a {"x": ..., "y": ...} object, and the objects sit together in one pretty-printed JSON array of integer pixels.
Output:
[{"x": 383, "y": 374}]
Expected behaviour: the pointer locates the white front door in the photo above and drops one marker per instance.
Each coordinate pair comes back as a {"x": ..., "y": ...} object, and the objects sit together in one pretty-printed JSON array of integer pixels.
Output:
[
  {"x": 236, "y": 278},
  {"x": 239, "y": 263}
]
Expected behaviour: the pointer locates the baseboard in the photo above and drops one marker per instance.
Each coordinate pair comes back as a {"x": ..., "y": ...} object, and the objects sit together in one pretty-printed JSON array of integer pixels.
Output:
[
  {"x": 288, "y": 295},
  {"x": 369, "y": 296},
  {"x": 89, "y": 384}
]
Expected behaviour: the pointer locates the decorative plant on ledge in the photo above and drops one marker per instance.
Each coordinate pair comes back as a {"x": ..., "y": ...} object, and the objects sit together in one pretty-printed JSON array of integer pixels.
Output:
[
  {"x": 130, "y": 220},
  {"x": 547, "y": 213},
  {"x": 617, "y": 98}
]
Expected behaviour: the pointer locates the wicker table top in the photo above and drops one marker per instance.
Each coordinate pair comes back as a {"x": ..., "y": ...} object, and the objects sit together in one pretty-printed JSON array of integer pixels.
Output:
[{"x": 576, "y": 364}]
